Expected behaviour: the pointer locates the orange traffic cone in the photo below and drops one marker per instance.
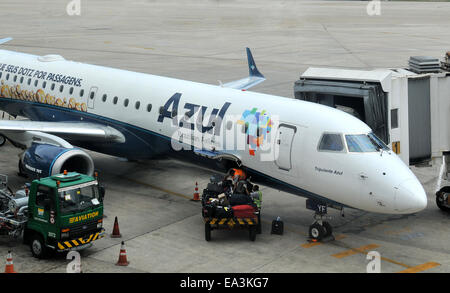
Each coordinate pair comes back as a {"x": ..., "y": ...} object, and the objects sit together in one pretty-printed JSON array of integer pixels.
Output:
[
  {"x": 9, "y": 268},
  {"x": 122, "y": 256},
  {"x": 196, "y": 194},
  {"x": 116, "y": 231}
]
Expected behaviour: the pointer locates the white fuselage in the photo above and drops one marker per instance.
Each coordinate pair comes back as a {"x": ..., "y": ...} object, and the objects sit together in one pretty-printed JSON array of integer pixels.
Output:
[{"x": 373, "y": 181}]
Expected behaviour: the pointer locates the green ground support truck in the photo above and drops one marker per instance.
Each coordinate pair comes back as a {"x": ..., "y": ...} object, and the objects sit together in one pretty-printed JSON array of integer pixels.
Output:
[{"x": 58, "y": 213}]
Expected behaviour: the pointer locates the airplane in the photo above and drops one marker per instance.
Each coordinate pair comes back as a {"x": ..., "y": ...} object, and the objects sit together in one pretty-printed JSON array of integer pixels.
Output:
[{"x": 318, "y": 152}]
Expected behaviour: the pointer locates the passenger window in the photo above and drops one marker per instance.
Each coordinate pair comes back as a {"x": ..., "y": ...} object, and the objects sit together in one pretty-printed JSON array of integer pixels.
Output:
[
  {"x": 61, "y": 89},
  {"x": 7, "y": 76},
  {"x": 53, "y": 86},
  {"x": 125, "y": 103},
  {"x": 138, "y": 105},
  {"x": 29, "y": 81},
  {"x": 149, "y": 107},
  {"x": 81, "y": 93},
  {"x": 331, "y": 142},
  {"x": 104, "y": 98},
  {"x": 44, "y": 84},
  {"x": 36, "y": 83},
  {"x": 115, "y": 100},
  {"x": 15, "y": 78},
  {"x": 21, "y": 79},
  {"x": 71, "y": 90}
]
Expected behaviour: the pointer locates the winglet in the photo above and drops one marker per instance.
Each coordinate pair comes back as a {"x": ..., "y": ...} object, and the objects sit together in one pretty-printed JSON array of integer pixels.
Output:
[
  {"x": 5, "y": 40},
  {"x": 252, "y": 69}
]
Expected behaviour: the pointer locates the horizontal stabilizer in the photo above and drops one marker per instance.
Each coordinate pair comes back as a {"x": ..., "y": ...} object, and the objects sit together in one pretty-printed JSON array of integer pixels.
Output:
[{"x": 5, "y": 40}]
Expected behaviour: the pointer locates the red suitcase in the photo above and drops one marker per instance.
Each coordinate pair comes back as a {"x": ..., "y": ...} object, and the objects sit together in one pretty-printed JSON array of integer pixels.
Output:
[{"x": 244, "y": 211}]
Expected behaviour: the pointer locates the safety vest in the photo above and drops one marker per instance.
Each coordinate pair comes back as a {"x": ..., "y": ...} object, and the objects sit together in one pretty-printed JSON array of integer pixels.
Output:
[{"x": 257, "y": 199}]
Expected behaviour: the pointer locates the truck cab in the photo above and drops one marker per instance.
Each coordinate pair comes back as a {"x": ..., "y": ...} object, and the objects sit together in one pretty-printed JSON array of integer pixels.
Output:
[{"x": 65, "y": 212}]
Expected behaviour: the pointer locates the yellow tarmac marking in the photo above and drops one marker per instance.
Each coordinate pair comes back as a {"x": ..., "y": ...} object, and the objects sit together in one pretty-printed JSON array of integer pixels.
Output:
[
  {"x": 222, "y": 221},
  {"x": 312, "y": 244},
  {"x": 353, "y": 251},
  {"x": 421, "y": 268}
]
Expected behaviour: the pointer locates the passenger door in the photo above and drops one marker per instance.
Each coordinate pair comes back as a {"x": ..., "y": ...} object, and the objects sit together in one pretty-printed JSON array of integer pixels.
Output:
[
  {"x": 44, "y": 214},
  {"x": 283, "y": 145}
]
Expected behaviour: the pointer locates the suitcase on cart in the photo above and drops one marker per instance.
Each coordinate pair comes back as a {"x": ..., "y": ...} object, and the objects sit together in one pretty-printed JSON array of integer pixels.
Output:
[{"x": 244, "y": 211}]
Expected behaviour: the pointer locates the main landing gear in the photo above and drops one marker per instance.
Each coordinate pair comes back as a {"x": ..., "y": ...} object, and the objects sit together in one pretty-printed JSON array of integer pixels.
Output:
[{"x": 320, "y": 230}]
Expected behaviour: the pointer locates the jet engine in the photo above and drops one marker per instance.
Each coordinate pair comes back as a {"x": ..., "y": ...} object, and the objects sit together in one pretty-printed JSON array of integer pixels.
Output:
[{"x": 43, "y": 160}]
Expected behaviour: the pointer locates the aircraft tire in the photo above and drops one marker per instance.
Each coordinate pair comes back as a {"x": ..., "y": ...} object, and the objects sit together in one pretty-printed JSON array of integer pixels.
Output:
[
  {"x": 2, "y": 140},
  {"x": 316, "y": 232},
  {"x": 328, "y": 229}
]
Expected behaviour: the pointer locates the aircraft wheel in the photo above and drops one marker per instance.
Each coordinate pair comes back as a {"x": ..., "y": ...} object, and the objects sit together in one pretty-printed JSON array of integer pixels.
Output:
[
  {"x": 316, "y": 232},
  {"x": 2, "y": 140},
  {"x": 328, "y": 229},
  {"x": 440, "y": 202}
]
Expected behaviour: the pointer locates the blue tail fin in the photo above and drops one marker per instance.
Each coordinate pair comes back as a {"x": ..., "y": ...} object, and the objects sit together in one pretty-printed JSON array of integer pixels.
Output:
[{"x": 252, "y": 69}]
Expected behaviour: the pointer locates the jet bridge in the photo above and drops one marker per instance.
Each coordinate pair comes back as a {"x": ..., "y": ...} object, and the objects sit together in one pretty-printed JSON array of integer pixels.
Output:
[{"x": 407, "y": 110}]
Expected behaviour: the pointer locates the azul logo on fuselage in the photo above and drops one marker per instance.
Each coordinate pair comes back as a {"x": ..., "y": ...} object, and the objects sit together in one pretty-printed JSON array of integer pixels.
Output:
[{"x": 194, "y": 117}]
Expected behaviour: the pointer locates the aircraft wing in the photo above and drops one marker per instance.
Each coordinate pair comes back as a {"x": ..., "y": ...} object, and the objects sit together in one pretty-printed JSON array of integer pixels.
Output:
[
  {"x": 25, "y": 132},
  {"x": 254, "y": 77}
]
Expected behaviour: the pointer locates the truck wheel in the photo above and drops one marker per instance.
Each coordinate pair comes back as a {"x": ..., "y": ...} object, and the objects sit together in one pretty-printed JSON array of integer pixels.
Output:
[
  {"x": 252, "y": 233},
  {"x": 259, "y": 226},
  {"x": 2, "y": 140},
  {"x": 37, "y": 246},
  {"x": 207, "y": 232},
  {"x": 440, "y": 203}
]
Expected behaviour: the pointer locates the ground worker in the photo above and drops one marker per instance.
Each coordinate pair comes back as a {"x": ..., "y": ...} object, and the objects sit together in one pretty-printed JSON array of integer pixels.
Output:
[{"x": 256, "y": 195}]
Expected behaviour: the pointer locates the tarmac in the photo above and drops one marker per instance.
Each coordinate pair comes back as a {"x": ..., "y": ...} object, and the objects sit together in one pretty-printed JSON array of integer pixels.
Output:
[{"x": 205, "y": 41}]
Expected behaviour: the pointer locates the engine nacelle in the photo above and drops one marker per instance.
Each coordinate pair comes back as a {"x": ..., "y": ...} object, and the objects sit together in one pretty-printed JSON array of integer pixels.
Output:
[{"x": 43, "y": 160}]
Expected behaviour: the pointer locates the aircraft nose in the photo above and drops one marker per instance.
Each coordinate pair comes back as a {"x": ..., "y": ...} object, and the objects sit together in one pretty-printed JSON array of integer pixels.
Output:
[{"x": 410, "y": 197}]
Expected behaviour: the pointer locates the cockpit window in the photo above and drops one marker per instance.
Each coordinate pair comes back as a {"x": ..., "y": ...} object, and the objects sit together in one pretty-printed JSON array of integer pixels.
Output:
[
  {"x": 362, "y": 143},
  {"x": 331, "y": 142}
]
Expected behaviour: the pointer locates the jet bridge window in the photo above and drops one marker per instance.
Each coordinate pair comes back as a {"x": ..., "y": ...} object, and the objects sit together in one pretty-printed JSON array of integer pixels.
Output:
[
  {"x": 331, "y": 142},
  {"x": 364, "y": 143}
]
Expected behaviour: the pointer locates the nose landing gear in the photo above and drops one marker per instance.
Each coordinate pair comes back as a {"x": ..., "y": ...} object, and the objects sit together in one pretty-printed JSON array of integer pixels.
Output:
[{"x": 320, "y": 230}]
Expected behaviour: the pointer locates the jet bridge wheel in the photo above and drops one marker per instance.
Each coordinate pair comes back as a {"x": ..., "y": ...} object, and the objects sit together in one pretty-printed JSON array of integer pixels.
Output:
[
  {"x": 317, "y": 232},
  {"x": 440, "y": 202}
]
